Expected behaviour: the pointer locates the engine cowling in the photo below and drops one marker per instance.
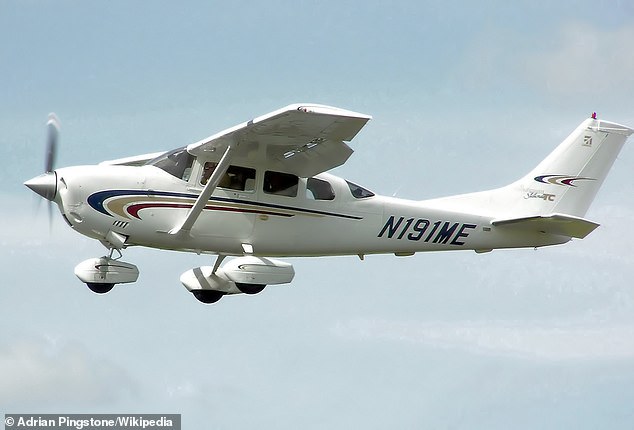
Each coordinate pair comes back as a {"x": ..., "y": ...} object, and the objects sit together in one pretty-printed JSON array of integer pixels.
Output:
[{"x": 240, "y": 275}]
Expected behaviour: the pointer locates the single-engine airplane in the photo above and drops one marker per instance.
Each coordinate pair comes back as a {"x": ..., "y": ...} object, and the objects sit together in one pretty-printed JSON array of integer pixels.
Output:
[{"x": 259, "y": 191}]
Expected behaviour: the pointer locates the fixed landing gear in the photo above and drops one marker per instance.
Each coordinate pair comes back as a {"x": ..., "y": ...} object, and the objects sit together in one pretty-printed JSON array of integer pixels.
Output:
[
  {"x": 101, "y": 274},
  {"x": 242, "y": 275}
]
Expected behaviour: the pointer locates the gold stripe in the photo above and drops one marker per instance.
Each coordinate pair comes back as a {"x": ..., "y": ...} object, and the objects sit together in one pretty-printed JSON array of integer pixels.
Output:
[{"x": 119, "y": 205}]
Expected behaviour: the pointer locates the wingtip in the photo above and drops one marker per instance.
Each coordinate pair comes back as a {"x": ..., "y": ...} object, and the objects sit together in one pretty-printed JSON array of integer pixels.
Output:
[{"x": 326, "y": 109}]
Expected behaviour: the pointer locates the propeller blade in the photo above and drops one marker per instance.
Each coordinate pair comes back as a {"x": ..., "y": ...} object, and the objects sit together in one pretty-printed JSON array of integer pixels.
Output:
[
  {"x": 51, "y": 154},
  {"x": 50, "y": 216},
  {"x": 51, "y": 144}
]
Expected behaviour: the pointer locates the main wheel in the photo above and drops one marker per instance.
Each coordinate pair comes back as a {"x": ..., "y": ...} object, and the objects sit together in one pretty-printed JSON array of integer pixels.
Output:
[
  {"x": 250, "y": 288},
  {"x": 99, "y": 288},
  {"x": 208, "y": 296}
]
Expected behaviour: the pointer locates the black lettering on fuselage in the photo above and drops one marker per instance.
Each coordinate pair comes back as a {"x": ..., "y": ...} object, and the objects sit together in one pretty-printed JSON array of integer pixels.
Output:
[
  {"x": 445, "y": 232},
  {"x": 441, "y": 232},
  {"x": 433, "y": 230},
  {"x": 407, "y": 224},
  {"x": 390, "y": 227},
  {"x": 461, "y": 233},
  {"x": 419, "y": 227}
]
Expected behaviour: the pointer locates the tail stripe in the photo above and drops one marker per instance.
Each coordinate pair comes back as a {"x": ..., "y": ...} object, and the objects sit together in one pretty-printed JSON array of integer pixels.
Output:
[{"x": 561, "y": 179}]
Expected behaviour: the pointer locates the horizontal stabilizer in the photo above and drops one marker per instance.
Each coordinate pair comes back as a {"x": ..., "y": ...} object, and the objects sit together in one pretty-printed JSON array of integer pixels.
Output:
[{"x": 562, "y": 225}]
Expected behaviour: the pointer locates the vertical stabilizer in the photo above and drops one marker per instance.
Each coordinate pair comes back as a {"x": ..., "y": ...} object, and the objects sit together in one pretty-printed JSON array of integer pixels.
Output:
[{"x": 567, "y": 181}]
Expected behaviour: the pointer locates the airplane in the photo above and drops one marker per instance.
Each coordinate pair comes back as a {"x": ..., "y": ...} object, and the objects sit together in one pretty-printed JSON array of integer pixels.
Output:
[{"x": 260, "y": 191}]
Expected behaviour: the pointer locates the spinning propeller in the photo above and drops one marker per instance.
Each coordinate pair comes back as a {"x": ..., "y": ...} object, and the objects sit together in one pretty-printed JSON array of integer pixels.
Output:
[
  {"x": 46, "y": 184},
  {"x": 51, "y": 144}
]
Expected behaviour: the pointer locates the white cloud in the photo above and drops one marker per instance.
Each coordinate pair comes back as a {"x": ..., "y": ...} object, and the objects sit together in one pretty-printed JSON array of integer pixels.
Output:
[
  {"x": 539, "y": 341},
  {"x": 38, "y": 372}
]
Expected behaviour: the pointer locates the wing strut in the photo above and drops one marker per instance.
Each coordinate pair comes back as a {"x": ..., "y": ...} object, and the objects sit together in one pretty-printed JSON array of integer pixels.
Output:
[{"x": 203, "y": 198}]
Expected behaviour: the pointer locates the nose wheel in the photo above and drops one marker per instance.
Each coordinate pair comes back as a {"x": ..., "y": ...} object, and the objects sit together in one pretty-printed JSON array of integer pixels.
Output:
[{"x": 103, "y": 273}]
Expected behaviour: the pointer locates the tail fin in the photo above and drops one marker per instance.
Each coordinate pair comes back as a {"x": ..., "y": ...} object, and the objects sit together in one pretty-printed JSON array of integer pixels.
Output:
[{"x": 567, "y": 181}]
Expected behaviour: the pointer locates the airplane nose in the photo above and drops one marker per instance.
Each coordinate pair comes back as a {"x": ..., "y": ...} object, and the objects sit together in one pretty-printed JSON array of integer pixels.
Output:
[{"x": 45, "y": 185}]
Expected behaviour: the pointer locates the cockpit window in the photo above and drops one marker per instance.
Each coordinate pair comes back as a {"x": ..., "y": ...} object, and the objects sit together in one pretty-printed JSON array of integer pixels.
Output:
[
  {"x": 177, "y": 163},
  {"x": 318, "y": 189},
  {"x": 282, "y": 184},
  {"x": 358, "y": 191},
  {"x": 235, "y": 178}
]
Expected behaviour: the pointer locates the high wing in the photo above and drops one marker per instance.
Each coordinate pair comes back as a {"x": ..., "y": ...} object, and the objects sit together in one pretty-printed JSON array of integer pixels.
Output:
[{"x": 303, "y": 139}]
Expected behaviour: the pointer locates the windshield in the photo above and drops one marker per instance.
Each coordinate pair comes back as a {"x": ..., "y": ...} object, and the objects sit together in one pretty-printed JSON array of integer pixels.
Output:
[{"x": 177, "y": 163}]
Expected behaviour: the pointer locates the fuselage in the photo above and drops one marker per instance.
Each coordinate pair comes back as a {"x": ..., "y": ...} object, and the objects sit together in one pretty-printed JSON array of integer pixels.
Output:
[{"x": 324, "y": 215}]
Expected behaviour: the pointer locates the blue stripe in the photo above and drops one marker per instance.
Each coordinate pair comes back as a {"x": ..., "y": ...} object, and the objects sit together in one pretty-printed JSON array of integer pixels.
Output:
[{"x": 96, "y": 201}]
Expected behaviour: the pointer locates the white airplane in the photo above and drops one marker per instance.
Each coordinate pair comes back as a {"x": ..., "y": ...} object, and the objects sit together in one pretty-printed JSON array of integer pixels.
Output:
[{"x": 260, "y": 190}]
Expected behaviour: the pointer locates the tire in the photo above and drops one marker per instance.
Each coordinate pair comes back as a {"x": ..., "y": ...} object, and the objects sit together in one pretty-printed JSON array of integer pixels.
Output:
[
  {"x": 99, "y": 288},
  {"x": 250, "y": 288},
  {"x": 208, "y": 296}
]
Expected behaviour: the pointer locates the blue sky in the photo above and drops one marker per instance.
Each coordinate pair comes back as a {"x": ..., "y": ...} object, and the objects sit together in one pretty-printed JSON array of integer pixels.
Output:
[{"x": 465, "y": 96}]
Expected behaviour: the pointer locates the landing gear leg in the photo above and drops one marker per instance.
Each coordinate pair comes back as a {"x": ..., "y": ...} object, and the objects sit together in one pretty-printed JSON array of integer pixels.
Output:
[
  {"x": 219, "y": 261},
  {"x": 210, "y": 296},
  {"x": 112, "y": 250}
]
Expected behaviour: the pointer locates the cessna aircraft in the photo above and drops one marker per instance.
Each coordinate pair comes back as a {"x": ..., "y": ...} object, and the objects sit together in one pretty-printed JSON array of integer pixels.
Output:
[{"x": 260, "y": 190}]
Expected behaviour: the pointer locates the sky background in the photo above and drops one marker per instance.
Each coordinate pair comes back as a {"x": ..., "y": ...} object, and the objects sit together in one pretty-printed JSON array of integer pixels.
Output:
[{"x": 465, "y": 96}]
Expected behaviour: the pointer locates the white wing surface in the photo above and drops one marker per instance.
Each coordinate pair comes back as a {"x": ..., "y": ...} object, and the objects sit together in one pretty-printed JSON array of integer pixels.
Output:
[{"x": 303, "y": 139}]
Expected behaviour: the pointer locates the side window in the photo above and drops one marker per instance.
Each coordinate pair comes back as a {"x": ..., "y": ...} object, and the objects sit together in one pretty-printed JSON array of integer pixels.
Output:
[
  {"x": 237, "y": 178},
  {"x": 281, "y": 184},
  {"x": 317, "y": 189},
  {"x": 358, "y": 192}
]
